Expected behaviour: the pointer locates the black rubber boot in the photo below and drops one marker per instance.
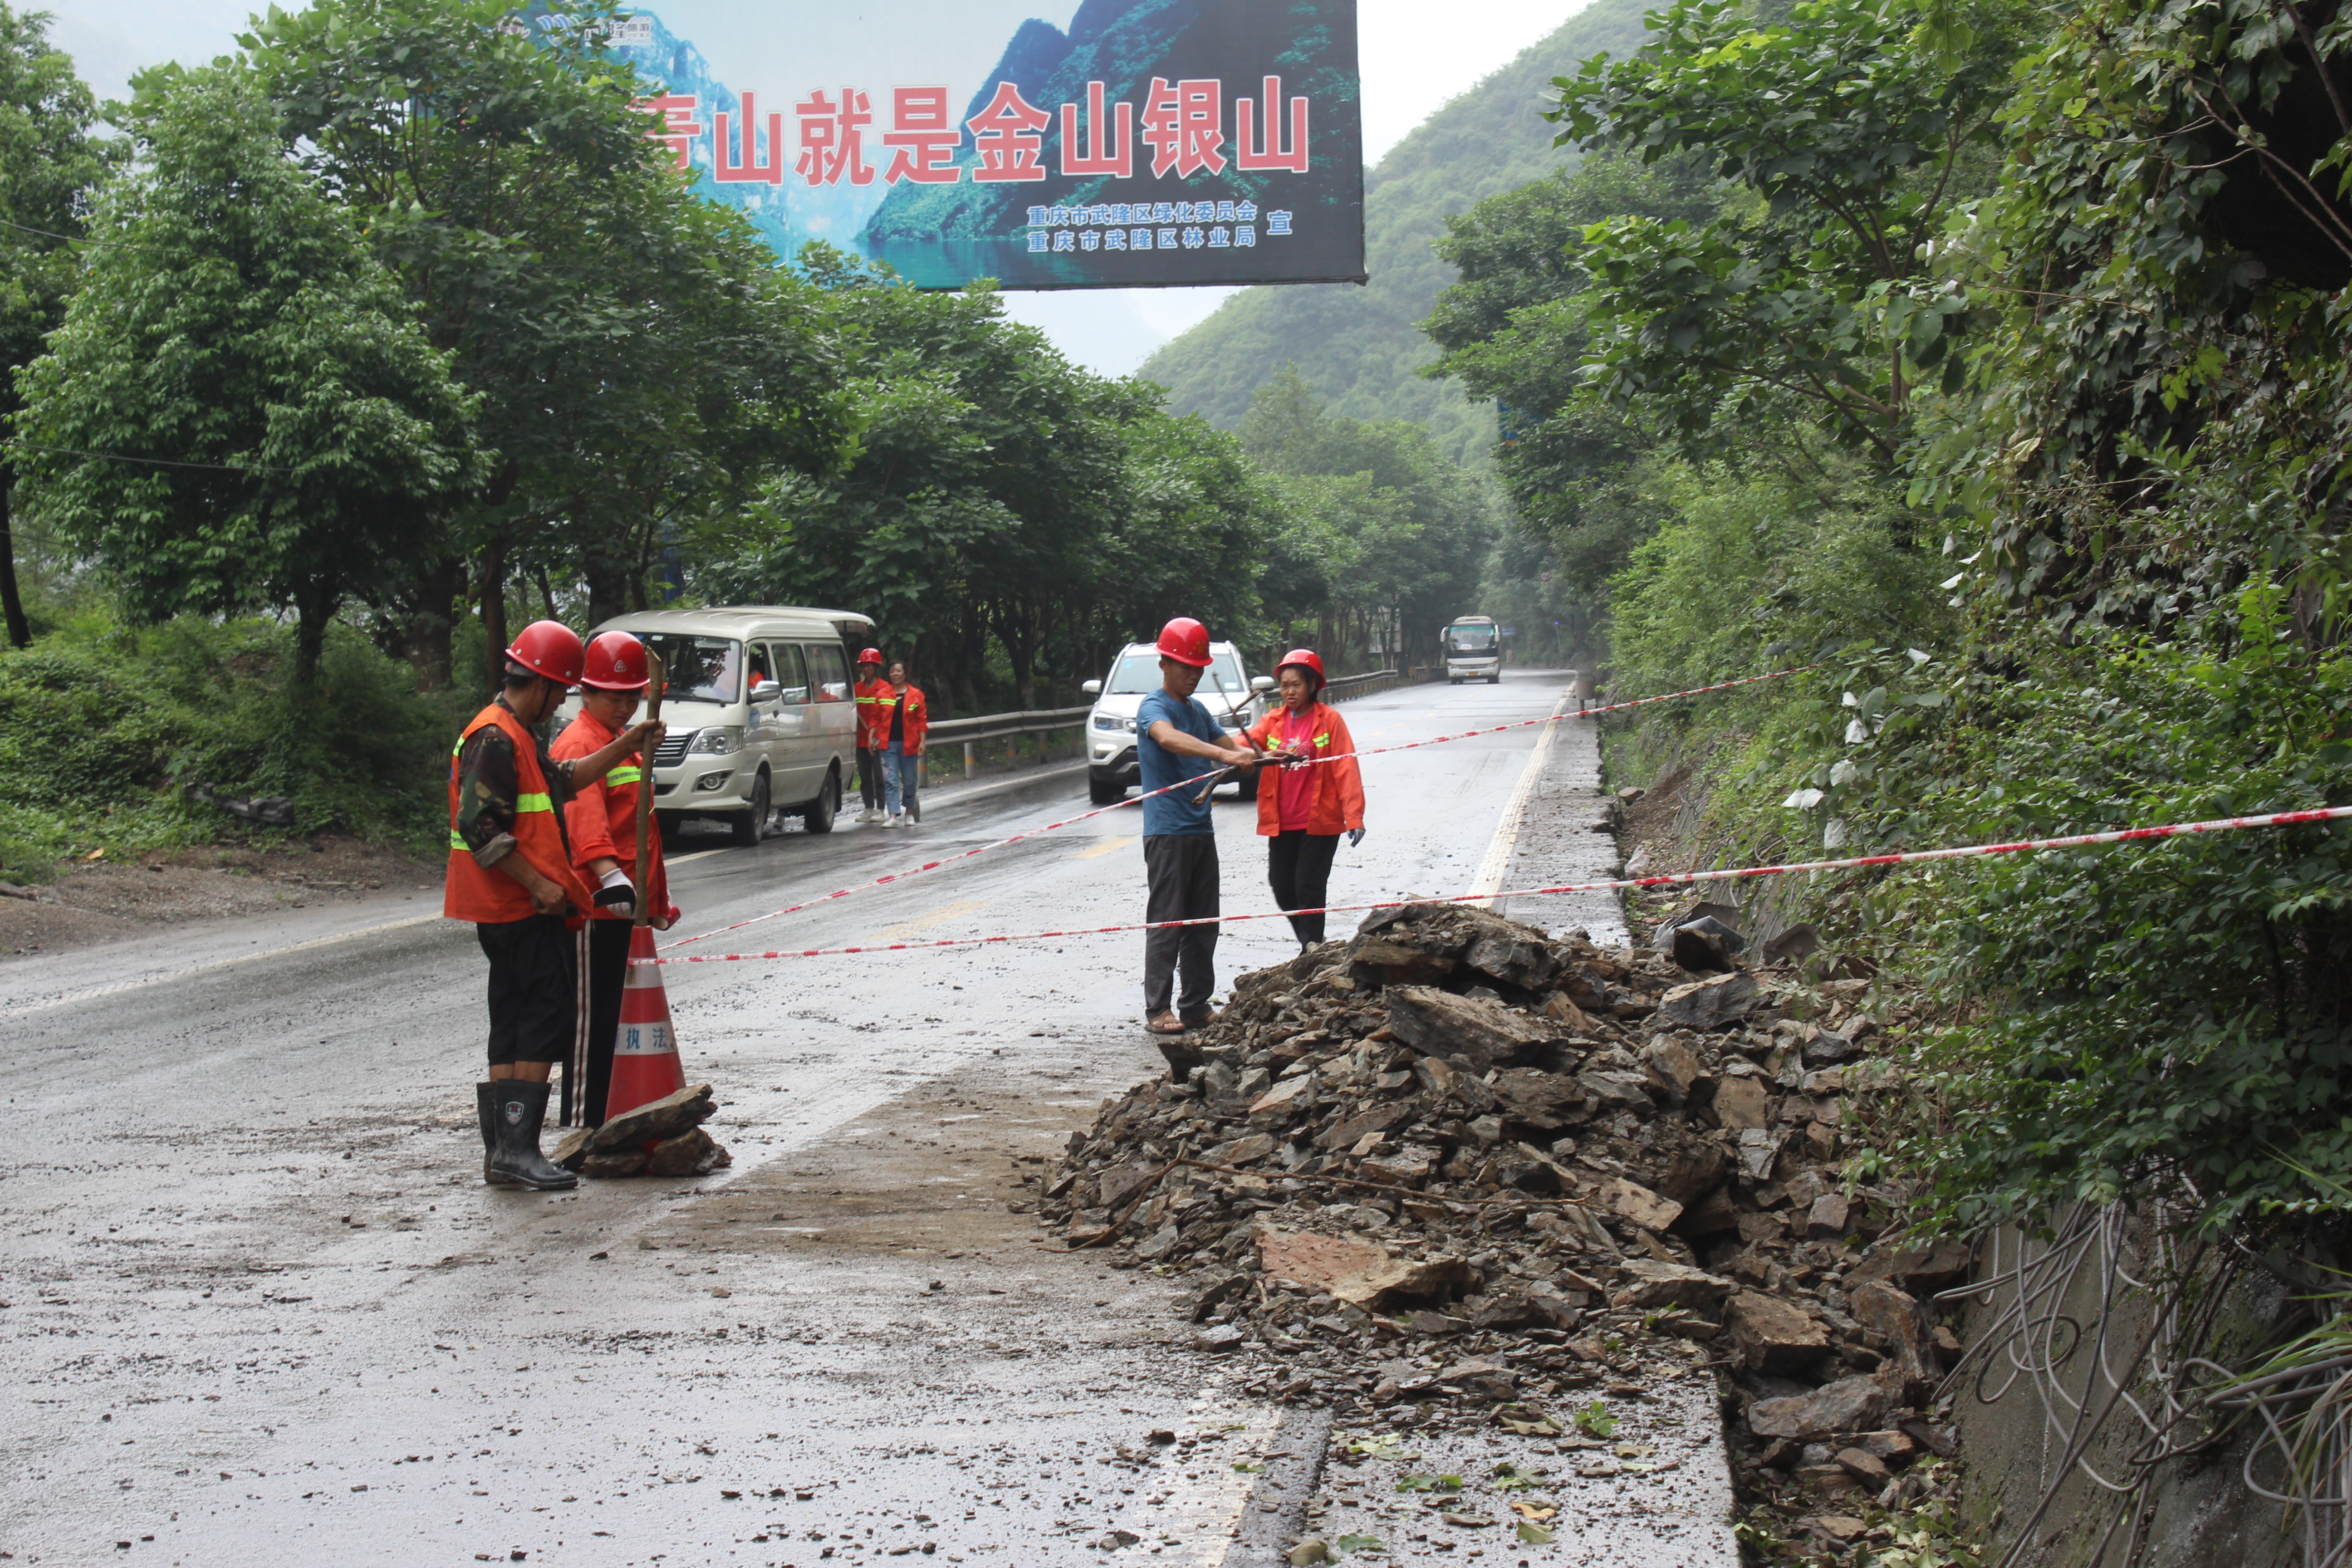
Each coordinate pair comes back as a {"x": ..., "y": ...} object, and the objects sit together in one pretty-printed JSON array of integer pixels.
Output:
[
  {"x": 485, "y": 1112},
  {"x": 521, "y": 1109}
]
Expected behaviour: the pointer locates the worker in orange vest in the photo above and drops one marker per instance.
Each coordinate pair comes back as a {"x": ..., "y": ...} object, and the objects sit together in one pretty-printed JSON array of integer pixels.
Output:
[
  {"x": 871, "y": 690},
  {"x": 602, "y": 824},
  {"x": 511, "y": 873},
  {"x": 1303, "y": 809},
  {"x": 905, "y": 719}
]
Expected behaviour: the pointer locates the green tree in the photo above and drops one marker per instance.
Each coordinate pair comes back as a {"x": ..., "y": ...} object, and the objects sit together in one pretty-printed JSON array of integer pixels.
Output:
[
  {"x": 1398, "y": 531},
  {"x": 50, "y": 167},
  {"x": 1816, "y": 298},
  {"x": 640, "y": 361},
  {"x": 259, "y": 418},
  {"x": 1514, "y": 330}
]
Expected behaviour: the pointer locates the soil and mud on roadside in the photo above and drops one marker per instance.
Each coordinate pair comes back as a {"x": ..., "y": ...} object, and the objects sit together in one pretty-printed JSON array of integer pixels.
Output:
[
  {"x": 106, "y": 897},
  {"x": 1456, "y": 1178}
]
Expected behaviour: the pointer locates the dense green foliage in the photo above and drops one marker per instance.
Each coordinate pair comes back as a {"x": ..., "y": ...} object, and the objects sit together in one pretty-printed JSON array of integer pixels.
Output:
[
  {"x": 312, "y": 433},
  {"x": 1359, "y": 348},
  {"x": 102, "y": 727},
  {"x": 49, "y": 162},
  {"x": 1386, "y": 533},
  {"x": 997, "y": 493},
  {"x": 2083, "y": 324}
]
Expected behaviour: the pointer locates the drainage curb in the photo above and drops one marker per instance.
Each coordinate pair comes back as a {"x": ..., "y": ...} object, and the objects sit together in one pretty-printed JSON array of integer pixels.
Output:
[{"x": 1276, "y": 1512}]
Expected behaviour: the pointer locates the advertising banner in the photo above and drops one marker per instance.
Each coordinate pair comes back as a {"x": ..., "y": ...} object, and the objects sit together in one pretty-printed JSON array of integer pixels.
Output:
[{"x": 1132, "y": 143}]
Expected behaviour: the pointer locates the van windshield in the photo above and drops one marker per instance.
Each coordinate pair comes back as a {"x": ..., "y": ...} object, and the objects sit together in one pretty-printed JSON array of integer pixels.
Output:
[
  {"x": 698, "y": 669},
  {"x": 1470, "y": 639}
]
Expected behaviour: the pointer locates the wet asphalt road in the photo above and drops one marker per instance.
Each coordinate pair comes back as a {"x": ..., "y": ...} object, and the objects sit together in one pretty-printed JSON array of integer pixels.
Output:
[{"x": 260, "y": 1308}]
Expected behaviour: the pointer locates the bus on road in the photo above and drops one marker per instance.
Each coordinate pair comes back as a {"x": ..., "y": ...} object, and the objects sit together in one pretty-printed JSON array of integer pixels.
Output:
[{"x": 1473, "y": 650}]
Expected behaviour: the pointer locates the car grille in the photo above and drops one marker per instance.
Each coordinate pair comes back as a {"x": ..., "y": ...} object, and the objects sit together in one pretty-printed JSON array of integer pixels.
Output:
[{"x": 672, "y": 751}]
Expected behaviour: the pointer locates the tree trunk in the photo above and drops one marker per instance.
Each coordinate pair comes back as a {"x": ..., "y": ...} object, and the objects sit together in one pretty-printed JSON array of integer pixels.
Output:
[
  {"x": 314, "y": 610},
  {"x": 20, "y": 631},
  {"x": 494, "y": 609},
  {"x": 429, "y": 612}
]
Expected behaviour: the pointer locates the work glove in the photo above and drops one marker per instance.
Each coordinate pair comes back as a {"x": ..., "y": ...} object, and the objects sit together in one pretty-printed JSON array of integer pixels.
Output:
[
  {"x": 1355, "y": 837},
  {"x": 615, "y": 896}
]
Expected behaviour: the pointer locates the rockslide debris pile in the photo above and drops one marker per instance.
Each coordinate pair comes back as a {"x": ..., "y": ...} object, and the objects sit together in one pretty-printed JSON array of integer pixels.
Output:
[
  {"x": 1455, "y": 1171},
  {"x": 661, "y": 1138}
]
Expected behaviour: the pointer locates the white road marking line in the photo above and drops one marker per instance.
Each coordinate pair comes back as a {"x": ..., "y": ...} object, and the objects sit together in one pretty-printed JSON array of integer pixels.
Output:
[
  {"x": 1497, "y": 863},
  {"x": 698, "y": 854},
  {"x": 120, "y": 985}
]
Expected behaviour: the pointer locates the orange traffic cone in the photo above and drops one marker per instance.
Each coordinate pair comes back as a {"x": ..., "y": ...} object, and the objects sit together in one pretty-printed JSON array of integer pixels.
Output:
[{"x": 645, "y": 1050}]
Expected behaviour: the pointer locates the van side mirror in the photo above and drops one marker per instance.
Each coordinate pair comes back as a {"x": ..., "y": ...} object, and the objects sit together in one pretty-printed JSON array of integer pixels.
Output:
[
  {"x": 766, "y": 691},
  {"x": 1261, "y": 683},
  {"x": 1091, "y": 688}
]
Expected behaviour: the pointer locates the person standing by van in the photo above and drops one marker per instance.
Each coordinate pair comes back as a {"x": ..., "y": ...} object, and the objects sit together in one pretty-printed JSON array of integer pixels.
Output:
[
  {"x": 601, "y": 820},
  {"x": 906, "y": 717},
  {"x": 869, "y": 691},
  {"x": 1311, "y": 805},
  {"x": 1175, "y": 743},
  {"x": 510, "y": 874}
]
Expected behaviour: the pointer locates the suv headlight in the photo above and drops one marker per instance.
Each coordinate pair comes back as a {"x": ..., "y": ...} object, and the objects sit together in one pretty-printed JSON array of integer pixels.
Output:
[
  {"x": 718, "y": 740},
  {"x": 1113, "y": 721}
]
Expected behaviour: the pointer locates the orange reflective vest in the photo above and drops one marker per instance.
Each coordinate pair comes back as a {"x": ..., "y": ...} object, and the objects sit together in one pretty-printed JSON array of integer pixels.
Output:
[
  {"x": 869, "y": 695},
  {"x": 911, "y": 731},
  {"x": 1336, "y": 802},
  {"x": 485, "y": 894},
  {"x": 602, "y": 816}
]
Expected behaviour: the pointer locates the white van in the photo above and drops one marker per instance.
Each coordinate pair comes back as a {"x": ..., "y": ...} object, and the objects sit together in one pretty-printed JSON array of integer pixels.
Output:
[
  {"x": 762, "y": 724},
  {"x": 1234, "y": 698}
]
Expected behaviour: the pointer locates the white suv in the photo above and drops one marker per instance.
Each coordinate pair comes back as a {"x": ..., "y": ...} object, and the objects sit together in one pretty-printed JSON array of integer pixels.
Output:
[{"x": 1234, "y": 698}]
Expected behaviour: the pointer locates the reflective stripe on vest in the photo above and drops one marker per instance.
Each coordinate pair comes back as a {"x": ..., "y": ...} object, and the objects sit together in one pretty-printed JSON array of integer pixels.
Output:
[
  {"x": 619, "y": 776},
  {"x": 534, "y": 803}
]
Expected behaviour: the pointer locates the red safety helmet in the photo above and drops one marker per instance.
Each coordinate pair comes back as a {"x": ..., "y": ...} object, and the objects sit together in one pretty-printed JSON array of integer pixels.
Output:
[
  {"x": 869, "y": 655},
  {"x": 1306, "y": 659},
  {"x": 1186, "y": 641},
  {"x": 616, "y": 662},
  {"x": 549, "y": 648}
]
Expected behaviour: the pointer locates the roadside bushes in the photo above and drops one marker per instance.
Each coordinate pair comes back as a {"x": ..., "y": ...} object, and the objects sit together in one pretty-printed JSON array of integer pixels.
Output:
[
  {"x": 102, "y": 726},
  {"x": 2168, "y": 1018}
]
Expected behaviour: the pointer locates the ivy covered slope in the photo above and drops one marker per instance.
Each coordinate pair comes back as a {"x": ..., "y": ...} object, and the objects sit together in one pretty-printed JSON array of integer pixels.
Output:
[{"x": 1361, "y": 348}]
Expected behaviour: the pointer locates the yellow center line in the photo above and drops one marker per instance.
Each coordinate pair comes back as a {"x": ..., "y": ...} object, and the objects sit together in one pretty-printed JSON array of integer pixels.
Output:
[
  {"x": 1105, "y": 847},
  {"x": 922, "y": 923}
]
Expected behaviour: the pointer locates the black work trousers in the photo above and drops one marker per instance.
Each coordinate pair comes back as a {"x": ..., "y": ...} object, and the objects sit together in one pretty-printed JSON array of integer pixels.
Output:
[
  {"x": 1298, "y": 864},
  {"x": 534, "y": 976},
  {"x": 1181, "y": 871},
  {"x": 603, "y": 973},
  {"x": 869, "y": 778}
]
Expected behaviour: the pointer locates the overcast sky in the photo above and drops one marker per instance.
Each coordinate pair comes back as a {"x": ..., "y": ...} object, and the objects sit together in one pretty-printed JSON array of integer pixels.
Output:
[{"x": 1414, "y": 58}]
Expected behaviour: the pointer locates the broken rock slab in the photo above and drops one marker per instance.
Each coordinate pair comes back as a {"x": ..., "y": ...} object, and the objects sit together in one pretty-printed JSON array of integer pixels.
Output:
[
  {"x": 1710, "y": 1003},
  {"x": 1849, "y": 1405},
  {"x": 657, "y": 1120},
  {"x": 1357, "y": 1272},
  {"x": 1777, "y": 1337},
  {"x": 1656, "y": 1284},
  {"x": 1472, "y": 1032}
]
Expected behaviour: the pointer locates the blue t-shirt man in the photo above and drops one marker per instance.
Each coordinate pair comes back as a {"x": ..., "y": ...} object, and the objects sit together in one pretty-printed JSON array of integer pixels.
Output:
[{"x": 1175, "y": 811}]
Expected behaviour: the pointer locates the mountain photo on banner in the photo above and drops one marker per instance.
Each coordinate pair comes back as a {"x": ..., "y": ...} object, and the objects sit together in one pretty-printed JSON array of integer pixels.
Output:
[
  {"x": 1361, "y": 349},
  {"x": 1308, "y": 50},
  {"x": 1244, "y": 162}
]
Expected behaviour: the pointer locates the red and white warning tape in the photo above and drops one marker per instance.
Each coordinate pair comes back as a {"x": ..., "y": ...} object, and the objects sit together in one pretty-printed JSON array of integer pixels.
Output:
[
  {"x": 901, "y": 876},
  {"x": 1694, "y": 691},
  {"x": 1908, "y": 857}
]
